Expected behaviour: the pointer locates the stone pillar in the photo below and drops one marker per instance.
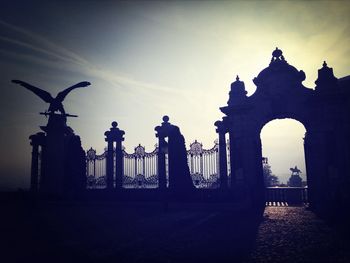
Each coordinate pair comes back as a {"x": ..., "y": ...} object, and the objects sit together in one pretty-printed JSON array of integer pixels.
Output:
[
  {"x": 317, "y": 165},
  {"x": 35, "y": 142},
  {"x": 246, "y": 166},
  {"x": 251, "y": 174},
  {"x": 161, "y": 133},
  {"x": 109, "y": 165},
  {"x": 53, "y": 176},
  {"x": 233, "y": 159},
  {"x": 222, "y": 155},
  {"x": 114, "y": 135},
  {"x": 63, "y": 166},
  {"x": 119, "y": 165},
  {"x": 162, "y": 148}
]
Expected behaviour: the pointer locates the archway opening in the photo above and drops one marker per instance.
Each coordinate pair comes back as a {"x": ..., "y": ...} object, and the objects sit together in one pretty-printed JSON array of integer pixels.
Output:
[{"x": 283, "y": 153}]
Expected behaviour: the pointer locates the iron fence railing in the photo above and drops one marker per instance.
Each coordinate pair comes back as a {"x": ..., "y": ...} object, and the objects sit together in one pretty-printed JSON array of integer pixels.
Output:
[
  {"x": 140, "y": 167},
  {"x": 288, "y": 195}
]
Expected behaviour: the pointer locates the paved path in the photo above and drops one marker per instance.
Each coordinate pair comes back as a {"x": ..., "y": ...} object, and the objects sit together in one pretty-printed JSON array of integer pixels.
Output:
[
  {"x": 110, "y": 233},
  {"x": 294, "y": 234}
]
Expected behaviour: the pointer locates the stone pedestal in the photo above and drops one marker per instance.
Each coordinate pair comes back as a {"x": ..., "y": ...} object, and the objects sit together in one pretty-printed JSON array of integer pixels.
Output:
[{"x": 62, "y": 159}]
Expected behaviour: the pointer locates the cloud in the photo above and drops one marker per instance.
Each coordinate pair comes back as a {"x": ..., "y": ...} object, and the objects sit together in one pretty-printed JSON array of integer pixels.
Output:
[
  {"x": 58, "y": 50},
  {"x": 61, "y": 58},
  {"x": 38, "y": 49}
]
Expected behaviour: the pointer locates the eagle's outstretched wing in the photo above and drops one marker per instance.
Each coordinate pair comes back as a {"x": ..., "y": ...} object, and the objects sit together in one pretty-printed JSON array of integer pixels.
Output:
[
  {"x": 60, "y": 96},
  {"x": 44, "y": 95}
]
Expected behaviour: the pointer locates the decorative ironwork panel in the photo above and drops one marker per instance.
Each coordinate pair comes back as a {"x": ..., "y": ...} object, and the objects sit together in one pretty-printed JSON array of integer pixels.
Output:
[
  {"x": 96, "y": 169},
  {"x": 204, "y": 165},
  {"x": 140, "y": 168}
]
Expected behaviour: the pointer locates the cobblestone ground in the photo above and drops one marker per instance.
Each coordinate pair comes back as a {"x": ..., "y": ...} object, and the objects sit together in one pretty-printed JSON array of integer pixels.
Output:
[
  {"x": 144, "y": 233},
  {"x": 294, "y": 234}
]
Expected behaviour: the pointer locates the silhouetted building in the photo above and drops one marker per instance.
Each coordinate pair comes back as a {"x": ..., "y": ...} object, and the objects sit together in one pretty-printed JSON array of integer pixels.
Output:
[{"x": 323, "y": 111}]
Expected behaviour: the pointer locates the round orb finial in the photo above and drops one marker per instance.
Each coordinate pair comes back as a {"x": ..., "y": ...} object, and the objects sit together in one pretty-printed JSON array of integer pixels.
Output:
[
  {"x": 277, "y": 53},
  {"x": 165, "y": 118},
  {"x": 114, "y": 124}
]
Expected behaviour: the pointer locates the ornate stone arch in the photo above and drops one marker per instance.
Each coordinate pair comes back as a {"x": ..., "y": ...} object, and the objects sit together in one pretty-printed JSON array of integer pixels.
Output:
[{"x": 324, "y": 112}]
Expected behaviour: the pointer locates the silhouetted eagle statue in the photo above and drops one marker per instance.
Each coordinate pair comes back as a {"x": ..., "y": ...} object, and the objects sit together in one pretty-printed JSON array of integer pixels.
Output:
[{"x": 55, "y": 103}]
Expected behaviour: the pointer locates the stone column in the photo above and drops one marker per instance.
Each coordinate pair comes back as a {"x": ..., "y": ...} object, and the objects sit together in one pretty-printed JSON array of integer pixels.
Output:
[
  {"x": 161, "y": 133},
  {"x": 222, "y": 155},
  {"x": 119, "y": 164},
  {"x": 109, "y": 165},
  {"x": 233, "y": 159},
  {"x": 54, "y": 174},
  {"x": 316, "y": 157},
  {"x": 34, "y": 175},
  {"x": 251, "y": 171},
  {"x": 246, "y": 165},
  {"x": 114, "y": 135},
  {"x": 161, "y": 162}
]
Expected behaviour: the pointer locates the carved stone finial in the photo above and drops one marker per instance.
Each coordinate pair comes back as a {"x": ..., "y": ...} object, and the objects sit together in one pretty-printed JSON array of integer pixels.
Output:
[
  {"x": 114, "y": 124},
  {"x": 277, "y": 53},
  {"x": 165, "y": 118},
  {"x": 326, "y": 81},
  {"x": 164, "y": 127},
  {"x": 220, "y": 127},
  {"x": 114, "y": 133},
  {"x": 237, "y": 92},
  {"x": 218, "y": 123},
  {"x": 278, "y": 58}
]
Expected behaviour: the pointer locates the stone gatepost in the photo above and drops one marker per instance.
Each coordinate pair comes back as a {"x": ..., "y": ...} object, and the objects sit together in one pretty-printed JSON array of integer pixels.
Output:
[
  {"x": 162, "y": 132},
  {"x": 54, "y": 155},
  {"x": 114, "y": 135},
  {"x": 221, "y": 130},
  {"x": 36, "y": 140},
  {"x": 315, "y": 144}
]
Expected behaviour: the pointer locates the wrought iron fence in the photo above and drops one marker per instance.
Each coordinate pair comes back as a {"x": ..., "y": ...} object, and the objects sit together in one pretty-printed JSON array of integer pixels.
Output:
[
  {"x": 95, "y": 169},
  {"x": 140, "y": 167},
  {"x": 204, "y": 165}
]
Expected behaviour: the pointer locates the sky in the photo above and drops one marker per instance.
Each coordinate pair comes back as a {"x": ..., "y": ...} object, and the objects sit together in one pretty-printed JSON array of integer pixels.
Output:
[{"x": 152, "y": 58}]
